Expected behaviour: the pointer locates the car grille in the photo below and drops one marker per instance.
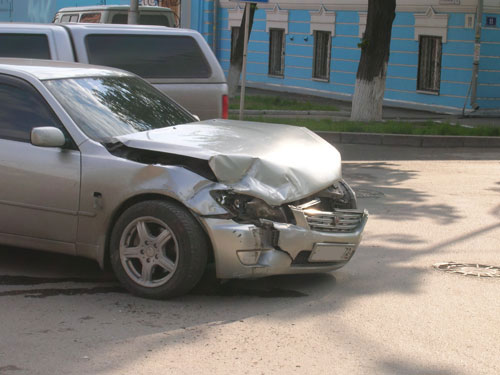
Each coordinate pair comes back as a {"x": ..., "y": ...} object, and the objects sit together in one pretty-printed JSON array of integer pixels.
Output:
[{"x": 340, "y": 221}]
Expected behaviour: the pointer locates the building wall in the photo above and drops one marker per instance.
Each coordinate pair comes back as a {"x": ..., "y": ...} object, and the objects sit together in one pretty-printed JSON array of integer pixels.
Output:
[{"x": 457, "y": 54}]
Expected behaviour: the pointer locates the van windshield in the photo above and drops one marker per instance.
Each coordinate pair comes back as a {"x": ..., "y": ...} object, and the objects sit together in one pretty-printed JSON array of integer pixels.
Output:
[{"x": 106, "y": 107}]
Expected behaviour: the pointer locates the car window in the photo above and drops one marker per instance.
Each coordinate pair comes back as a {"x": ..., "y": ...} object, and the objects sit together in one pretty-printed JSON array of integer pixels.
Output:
[
  {"x": 90, "y": 17},
  {"x": 154, "y": 19},
  {"x": 106, "y": 107},
  {"x": 31, "y": 46},
  {"x": 149, "y": 56},
  {"x": 21, "y": 109}
]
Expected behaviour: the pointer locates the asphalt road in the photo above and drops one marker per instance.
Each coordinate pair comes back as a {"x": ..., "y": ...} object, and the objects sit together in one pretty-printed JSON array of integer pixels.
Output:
[{"x": 387, "y": 312}]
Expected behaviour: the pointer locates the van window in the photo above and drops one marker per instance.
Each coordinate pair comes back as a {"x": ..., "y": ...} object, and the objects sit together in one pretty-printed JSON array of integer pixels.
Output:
[
  {"x": 144, "y": 19},
  {"x": 154, "y": 19},
  {"x": 90, "y": 17},
  {"x": 149, "y": 56},
  {"x": 30, "y": 46},
  {"x": 69, "y": 18},
  {"x": 121, "y": 18}
]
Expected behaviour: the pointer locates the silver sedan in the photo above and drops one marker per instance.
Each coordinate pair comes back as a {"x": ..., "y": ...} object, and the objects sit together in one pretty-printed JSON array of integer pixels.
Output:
[{"x": 95, "y": 162}]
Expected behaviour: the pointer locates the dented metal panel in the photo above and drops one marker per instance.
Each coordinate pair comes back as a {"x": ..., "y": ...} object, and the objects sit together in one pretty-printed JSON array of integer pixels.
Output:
[{"x": 275, "y": 163}]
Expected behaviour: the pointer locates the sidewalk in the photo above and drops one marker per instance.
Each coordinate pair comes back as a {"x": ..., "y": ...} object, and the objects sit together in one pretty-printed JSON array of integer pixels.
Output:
[{"x": 389, "y": 113}]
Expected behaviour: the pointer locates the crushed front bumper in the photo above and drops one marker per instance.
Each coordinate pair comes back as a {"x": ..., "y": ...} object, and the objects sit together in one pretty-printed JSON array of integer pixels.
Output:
[{"x": 318, "y": 242}]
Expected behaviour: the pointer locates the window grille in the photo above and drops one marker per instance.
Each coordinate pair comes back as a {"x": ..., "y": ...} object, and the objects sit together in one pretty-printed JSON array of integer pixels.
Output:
[
  {"x": 429, "y": 64},
  {"x": 276, "y": 52},
  {"x": 235, "y": 32},
  {"x": 322, "y": 50}
]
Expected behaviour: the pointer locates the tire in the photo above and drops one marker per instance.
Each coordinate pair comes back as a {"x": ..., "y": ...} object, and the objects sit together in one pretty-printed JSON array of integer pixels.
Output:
[{"x": 158, "y": 250}]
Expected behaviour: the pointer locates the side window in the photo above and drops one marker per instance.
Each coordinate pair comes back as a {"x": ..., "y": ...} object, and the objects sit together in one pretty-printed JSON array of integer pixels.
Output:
[
  {"x": 30, "y": 46},
  {"x": 154, "y": 19},
  {"x": 276, "y": 52},
  {"x": 149, "y": 56},
  {"x": 90, "y": 18},
  {"x": 22, "y": 108},
  {"x": 121, "y": 18},
  {"x": 321, "y": 61},
  {"x": 429, "y": 64}
]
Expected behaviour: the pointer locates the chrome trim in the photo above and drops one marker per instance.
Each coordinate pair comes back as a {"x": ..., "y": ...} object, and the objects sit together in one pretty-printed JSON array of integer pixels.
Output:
[
  {"x": 41, "y": 208},
  {"x": 337, "y": 221}
]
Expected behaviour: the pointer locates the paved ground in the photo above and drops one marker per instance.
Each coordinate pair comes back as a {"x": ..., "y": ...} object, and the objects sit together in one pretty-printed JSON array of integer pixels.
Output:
[{"x": 387, "y": 312}]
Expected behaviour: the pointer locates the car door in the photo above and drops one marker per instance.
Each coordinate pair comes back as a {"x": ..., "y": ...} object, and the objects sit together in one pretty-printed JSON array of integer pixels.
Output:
[{"x": 39, "y": 186}]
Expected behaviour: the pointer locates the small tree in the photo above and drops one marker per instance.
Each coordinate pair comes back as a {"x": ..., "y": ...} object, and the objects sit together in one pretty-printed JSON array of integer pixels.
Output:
[
  {"x": 233, "y": 77},
  {"x": 375, "y": 47}
]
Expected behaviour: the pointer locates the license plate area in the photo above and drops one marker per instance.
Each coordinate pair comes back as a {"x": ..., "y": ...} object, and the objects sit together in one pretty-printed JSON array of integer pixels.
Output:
[{"x": 329, "y": 252}]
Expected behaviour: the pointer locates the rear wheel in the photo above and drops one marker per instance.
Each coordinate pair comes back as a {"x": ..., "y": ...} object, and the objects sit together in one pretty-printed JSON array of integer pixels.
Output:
[{"x": 158, "y": 250}]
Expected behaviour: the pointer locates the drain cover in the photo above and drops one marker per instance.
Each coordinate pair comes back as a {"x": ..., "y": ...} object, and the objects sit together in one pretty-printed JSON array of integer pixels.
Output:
[{"x": 477, "y": 270}]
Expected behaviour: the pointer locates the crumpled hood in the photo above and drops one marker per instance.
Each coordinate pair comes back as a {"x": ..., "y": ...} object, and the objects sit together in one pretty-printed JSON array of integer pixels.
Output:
[{"x": 277, "y": 163}]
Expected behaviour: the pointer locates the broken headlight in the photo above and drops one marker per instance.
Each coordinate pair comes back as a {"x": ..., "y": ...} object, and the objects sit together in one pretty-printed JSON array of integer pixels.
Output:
[{"x": 248, "y": 209}]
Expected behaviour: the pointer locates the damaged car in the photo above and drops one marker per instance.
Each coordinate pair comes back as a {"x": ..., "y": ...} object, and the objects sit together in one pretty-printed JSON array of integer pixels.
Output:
[{"x": 96, "y": 162}]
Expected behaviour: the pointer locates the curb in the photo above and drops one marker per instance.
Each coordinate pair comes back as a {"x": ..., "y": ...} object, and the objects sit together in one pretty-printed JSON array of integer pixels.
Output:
[
  {"x": 424, "y": 141},
  {"x": 328, "y": 114}
]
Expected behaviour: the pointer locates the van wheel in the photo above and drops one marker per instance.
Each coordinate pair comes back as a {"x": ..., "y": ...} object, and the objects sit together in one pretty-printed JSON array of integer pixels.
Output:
[{"x": 158, "y": 250}]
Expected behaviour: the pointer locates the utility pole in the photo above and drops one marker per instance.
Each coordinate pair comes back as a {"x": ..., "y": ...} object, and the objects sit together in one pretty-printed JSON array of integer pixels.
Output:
[
  {"x": 133, "y": 13},
  {"x": 477, "y": 55}
]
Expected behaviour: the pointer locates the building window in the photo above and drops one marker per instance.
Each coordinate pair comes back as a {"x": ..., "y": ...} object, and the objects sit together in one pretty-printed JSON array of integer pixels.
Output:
[
  {"x": 322, "y": 50},
  {"x": 235, "y": 32},
  {"x": 276, "y": 52},
  {"x": 429, "y": 64}
]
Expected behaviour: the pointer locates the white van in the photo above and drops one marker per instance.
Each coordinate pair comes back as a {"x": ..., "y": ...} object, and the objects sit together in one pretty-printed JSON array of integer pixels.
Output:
[{"x": 117, "y": 14}]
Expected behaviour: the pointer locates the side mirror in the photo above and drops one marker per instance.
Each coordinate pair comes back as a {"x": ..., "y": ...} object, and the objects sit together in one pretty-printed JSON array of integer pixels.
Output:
[
  {"x": 197, "y": 117},
  {"x": 47, "y": 136}
]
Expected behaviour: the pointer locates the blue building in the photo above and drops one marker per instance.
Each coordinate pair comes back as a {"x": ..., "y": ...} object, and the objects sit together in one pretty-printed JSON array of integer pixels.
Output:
[{"x": 312, "y": 47}]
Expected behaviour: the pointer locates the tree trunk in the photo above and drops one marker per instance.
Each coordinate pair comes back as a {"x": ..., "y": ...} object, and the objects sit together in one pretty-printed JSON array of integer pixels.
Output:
[
  {"x": 233, "y": 77},
  {"x": 375, "y": 47}
]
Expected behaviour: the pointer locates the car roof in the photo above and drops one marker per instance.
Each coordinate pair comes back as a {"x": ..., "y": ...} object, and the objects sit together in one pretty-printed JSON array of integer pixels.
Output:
[
  {"x": 112, "y": 7},
  {"x": 122, "y": 28},
  {"x": 49, "y": 69}
]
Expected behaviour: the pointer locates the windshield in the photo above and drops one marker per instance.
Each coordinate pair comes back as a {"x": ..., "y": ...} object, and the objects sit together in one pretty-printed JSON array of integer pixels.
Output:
[{"x": 106, "y": 107}]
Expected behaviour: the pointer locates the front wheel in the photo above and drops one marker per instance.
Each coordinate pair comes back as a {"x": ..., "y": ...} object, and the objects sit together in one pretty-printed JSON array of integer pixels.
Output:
[{"x": 158, "y": 250}]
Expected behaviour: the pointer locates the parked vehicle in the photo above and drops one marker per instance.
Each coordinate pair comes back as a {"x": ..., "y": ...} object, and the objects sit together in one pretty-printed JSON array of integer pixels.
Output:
[
  {"x": 117, "y": 14},
  {"x": 179, "y": 62},
  {"x": 96, "y": 162}
]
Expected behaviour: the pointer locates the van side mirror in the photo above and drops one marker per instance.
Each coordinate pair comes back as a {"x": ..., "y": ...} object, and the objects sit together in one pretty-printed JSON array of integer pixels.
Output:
[{"x": 47, "y": 136}]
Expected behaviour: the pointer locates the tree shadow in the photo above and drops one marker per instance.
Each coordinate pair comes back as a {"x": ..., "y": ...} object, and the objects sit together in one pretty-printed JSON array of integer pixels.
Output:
[
  {"x": 379, "y": 185},
  {"x": 395, "y": 153},
  {"x": 496, "y": 189}
]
